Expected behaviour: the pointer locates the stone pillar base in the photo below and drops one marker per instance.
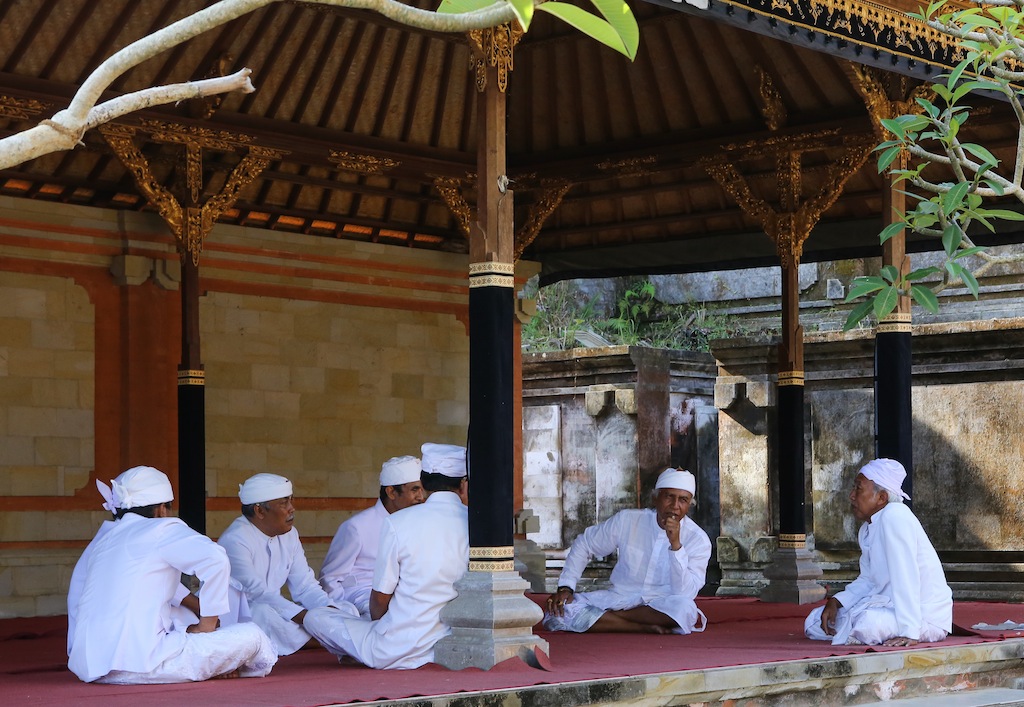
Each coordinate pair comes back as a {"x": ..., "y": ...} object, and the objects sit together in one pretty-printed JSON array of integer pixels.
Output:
[
  {"x": 793, "y": 577},
  {"x": 491, "y": 621}
]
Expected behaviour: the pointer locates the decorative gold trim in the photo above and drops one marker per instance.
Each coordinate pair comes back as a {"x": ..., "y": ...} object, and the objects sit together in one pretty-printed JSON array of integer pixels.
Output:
[
  {"x": 792, "y": 540},
  {"x": 896, "y": 323},
  {"x": 496, "y": 46},
  {"x": 192, "y": 377},
  {"x": 486, "y": 553},
  {"x": 450, "y": 190},
  {"x": 163, "y": 131},
  {"x": 550, "y": 199},
  {"x": 630, "y": 166},
  {"x": 20, "y": 108},
  {"x": 363, "y": 164},
  {"x": 488, "y": 566},
  {"x": 491, "y": 266},
  {"x": 492, "y": 281},
  {"x": 773, "y": 110},
  {"x": 791, "y": 378}
]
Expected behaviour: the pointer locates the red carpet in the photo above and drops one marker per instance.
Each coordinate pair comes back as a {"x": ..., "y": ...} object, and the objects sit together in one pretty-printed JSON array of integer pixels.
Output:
[{"x": 741, "y": 631}]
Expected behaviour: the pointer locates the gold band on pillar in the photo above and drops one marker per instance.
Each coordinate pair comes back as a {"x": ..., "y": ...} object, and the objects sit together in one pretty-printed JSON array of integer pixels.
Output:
[
  {"x": 492, "y": 559},
  {"x": 791, "y": 378},
  {"x": 792, "y": 540},
  {"x": 492, "y": 274},
  {"x": 896, "y": 323},
  {"x": 192, "y": 377}
]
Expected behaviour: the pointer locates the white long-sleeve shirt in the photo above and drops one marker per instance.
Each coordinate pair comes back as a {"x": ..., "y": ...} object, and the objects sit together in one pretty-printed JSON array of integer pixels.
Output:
[
  {"x": 347, "y": 571},
  {"x": 262, "y": 565},
  {"x": 647, "y": 568},
  {"x": 898, "y": 562},
  {"x": 123, "y": 589}
]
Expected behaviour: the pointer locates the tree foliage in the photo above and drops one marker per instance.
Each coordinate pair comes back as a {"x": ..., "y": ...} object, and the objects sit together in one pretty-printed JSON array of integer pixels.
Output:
[{"x": 962, "y": 200}]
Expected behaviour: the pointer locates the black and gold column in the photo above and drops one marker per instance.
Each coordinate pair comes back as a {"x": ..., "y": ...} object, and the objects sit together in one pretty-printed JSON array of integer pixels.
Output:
[
  {"x": 191, "y": 406},
  {"x": 491, "y": 619}
]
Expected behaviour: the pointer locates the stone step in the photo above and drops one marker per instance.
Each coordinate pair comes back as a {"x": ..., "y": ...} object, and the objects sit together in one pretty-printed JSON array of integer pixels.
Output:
[{"x": 1004, "y": 696}]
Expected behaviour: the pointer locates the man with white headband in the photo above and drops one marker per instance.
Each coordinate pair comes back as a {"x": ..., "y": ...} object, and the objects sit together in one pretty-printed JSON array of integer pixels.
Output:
[
  {"x": 130, "y": 618},
  {"x": 266, "y": 554},
  {"x": 662, "y": 563},
  {"x": 424, "y": 550},
  {"x": 901, "y": 596},
  {"x": 347, "y": 572}
]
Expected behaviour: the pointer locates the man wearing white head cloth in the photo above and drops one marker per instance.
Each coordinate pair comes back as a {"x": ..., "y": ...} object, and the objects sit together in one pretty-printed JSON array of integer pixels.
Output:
[
  {"x": 266, "y": 554},
  {"x": 901, "y": 596},
  {"x": 127, "y": 621},
  {"x": 347, "y": 572},
  {"x": 424, "y": 550},
  {"x": 662, "y": 562}
]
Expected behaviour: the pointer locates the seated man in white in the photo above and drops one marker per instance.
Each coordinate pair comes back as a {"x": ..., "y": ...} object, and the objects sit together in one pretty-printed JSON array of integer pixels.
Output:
[
  {"x": 265, "y": 555},
  {"x": 126, "y": 618},
  {"x": 347, "y": 572},
  {"x": 662, "y": 562},
  {"x": 901, "y": 596},
  {"x": 424, "y": 550}
]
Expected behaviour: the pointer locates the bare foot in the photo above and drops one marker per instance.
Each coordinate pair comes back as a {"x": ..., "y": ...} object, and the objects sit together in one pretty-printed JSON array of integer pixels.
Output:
[
  {"x": 227, "y": 676},
  {"x": 655, "y": 628}
]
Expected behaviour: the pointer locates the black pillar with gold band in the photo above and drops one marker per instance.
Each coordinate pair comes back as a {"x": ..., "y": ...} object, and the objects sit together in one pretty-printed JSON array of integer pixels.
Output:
[
  {"x": 790, "y": 428},
  {"x": 894, "y": 418},
  {"x": 191, "y": 404},
  {"x": 491, "y": 312}
]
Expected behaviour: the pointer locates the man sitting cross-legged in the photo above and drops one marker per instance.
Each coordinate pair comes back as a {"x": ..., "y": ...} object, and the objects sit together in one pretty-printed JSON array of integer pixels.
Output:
[
  {"x": 663, "y": 559},
  {"x": 126, "y": 621},
  {"x": 901, "y": 596}
]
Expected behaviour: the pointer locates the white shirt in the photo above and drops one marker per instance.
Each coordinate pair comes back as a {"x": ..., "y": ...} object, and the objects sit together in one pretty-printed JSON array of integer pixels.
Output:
[
  {"x": 424, "y": 550},
  {"x": 898, "y": 562},
  {"x": 123, "y": 588},
  {"x": 647, "y": 568},
  {"x": 352, "y": 556},
  {"x": 262, "y": 565}
]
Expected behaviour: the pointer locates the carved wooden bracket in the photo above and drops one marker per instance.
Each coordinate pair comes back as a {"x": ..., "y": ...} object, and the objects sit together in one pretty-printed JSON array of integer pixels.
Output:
[
  {"x": 450, "y": 189},
  {"x": 494, "y": 46},
  {"x": 553, "y": 191}
]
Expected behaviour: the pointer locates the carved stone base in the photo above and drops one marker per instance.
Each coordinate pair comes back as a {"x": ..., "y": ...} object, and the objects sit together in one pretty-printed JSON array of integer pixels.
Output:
[
  {"x": 491, "y": 621},
  {"x": 531, "y": 564},
  {"x": 793, "y": 577}
]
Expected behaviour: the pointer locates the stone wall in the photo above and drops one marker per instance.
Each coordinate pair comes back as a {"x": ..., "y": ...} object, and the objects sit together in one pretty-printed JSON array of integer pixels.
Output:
[
  {"x": 968, "y": 383},
  {"x": 599, "y": 425},
  {"x": 323, "y": 358}
]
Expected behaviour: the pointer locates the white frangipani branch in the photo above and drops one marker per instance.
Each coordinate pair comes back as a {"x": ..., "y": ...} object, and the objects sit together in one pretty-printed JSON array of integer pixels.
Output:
[{"x": 65, "y": 129}]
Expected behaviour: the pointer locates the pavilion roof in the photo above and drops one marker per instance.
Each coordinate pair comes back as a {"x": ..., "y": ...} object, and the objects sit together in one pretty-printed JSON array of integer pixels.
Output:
[{"x": 368, "y": 119}]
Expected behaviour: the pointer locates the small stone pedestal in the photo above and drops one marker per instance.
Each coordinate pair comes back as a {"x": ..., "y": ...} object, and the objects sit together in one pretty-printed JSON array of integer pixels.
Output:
[
  {"x": 491, "y": 621},
  {"x": 793, "y": 577}
]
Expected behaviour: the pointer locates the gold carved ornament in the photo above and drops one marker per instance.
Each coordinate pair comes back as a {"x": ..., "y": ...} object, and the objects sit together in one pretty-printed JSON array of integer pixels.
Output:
[
  {"x": 362, "y": 164},
  {"x": 876, "y": 88},
  {"x": 553, "y": 191},
  {"x": 450, "y": 190},
  {"x": 494, "y": 46},
  {"x": 770, "y": 101},
  {"x": 20, "y": 108}
]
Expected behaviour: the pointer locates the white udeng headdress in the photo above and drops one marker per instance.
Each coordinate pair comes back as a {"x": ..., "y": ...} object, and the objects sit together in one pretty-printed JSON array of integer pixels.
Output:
[
  {"x": 264, "y": 487},
  {"x": 889, "y": 474},
  {"x": 676, "y": 479},
  {"x": 137, "y": 487},
  {"x": 400, "y": 470},
  {"x": 447, "y": 459}
]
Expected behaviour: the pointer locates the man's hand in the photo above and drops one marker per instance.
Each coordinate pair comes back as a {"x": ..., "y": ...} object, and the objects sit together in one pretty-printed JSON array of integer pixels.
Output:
[
  {"x": 828, "y": 616},
  {"x": 558, "y": 600},
  {"x": 672, "y": 531},
  {"x": 207, "y": 624},
  {"x": 299, "y": 617},
  {"x": 379, "y": 603},
  {"x": 900, "y": 641}
]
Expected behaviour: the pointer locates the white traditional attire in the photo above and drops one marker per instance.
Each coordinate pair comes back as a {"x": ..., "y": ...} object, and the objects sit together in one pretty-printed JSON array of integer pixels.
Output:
[
  {"x": 347, "y": 573},
  {"x": 262, "y": 565},
  {"x": 647, "y": 572},
  {"x": 901, "y": 590},
  {"x": 125, "y": 624},
  {"x": 424, "y": 550}
]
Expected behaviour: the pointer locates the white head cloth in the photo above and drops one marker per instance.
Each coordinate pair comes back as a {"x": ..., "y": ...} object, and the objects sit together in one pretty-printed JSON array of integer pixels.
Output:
[
  {"x": 400, "y": 470},
  {"x": 137, "y": 487},
  {"x": 447, "y": 459},
  {"x": 889, "y": 474},
  {"x": 676, "y": 479},
  {"x": 264, "y": 487}
]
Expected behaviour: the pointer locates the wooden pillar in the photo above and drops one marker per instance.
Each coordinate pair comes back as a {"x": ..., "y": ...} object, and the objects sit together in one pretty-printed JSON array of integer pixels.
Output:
[
  {"x": 894, "y": 416},
  {"x": 491, "y": 620}
]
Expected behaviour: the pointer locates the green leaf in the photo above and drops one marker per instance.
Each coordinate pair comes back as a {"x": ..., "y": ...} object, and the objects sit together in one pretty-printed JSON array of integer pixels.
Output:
[
  {"x": 857, "y": 314},
  {"x": 921, "y": 273},
  {"x": 885, "y": 302},
  {"x": 864, "y": 285},
  {"x": 972, "y": 282},
  {"x": 524, "y": 12},
  {"x": 587, "y": 23},
  {"x": 952, "y": 199},
  {"x": 891, "y": 230},
  {"x": 981, "y": 153},
  {"x": 967, "y": 252},
  {"x": 889, "y": 273},
  {"x": 887, "y": 158},
  {"x": 454, "y": 7},
  {"x": 951, "y": 239},
  {"x": 621, "y": 19},
  {"x": 924, "y": 296},
  {"x": 1004, "y": 214}
]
